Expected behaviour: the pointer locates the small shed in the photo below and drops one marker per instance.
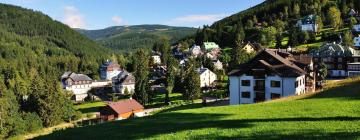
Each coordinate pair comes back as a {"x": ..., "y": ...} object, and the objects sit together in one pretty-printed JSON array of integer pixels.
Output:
[{"x": 123, "y": 109}]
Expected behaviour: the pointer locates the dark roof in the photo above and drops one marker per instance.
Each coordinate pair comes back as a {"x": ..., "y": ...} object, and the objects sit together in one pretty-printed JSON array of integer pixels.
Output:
[
  {"x": 124, "y": 78},
  {"x": 272, "y": 62},
  {"x": 125, "y": 106},
  {"x": 76, "y": 77}
]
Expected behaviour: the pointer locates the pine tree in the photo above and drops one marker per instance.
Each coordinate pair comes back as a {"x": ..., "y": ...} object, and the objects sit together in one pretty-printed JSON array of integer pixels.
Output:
[
  {"x": 172, "y": 66},
  {"x": 191, "y": 82},
  {"x": 141, "y": 77}
]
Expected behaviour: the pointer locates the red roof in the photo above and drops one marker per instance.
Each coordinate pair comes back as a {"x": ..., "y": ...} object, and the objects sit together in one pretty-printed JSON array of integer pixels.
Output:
[{"x": 125, "y": 106}]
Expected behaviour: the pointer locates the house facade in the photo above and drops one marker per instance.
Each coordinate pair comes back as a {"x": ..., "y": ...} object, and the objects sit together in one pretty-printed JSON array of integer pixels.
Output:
[
  {"x": 308, "y": 24},
  {"x": 356, "y": 28},
  {"x": 357, "y": 42},
  {"x": 218, "y": 65},
  {"x": 123, "y": 109},
  {"x": 207, "y": 77},
  {"x": 267, "y": 76},
  {"x": 124, "y": 83},
  {"x": 252, "y": 48},
  {"x": 353, "y": 69},
  {"x": 336, "y": 58},
  {"x": 78, "y": 84},
  {"x": 109, "y": 69}
]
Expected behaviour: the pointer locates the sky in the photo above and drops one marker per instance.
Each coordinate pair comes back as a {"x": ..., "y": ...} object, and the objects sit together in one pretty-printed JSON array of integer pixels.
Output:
[{"x": 99, "y": 14}]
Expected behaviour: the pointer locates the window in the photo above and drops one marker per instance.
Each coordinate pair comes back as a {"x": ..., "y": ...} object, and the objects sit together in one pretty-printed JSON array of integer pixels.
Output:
[
  {"x": 245, "y": 95},
  {"x": 275, "y": 84},
  {"x": 356, "y": 59},
  {"x": 339, "y": 59},
  {"x": 340, "y": 66},
  {"x": 245, "y": 83},
  {"x": 296, "y": 84},
  {"x": 275, "y": 96}
]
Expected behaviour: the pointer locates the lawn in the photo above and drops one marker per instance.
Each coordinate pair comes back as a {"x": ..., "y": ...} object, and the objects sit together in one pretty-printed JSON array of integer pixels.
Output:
[
  {"x": 331, "y": 114},
  {"x": 86, "y": 108}
]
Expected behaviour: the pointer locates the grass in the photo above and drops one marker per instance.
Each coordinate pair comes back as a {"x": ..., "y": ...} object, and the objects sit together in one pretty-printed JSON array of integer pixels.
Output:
[
  {"x": 86, "y": 108},
  {"x": 331, "y": 114}
]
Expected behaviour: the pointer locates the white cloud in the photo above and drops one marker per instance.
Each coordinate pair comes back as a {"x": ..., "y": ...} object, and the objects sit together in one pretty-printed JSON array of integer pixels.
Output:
[
  {"x": 117, "y": 20},
  {"x": 196, "y": 19},
  {"x": 73, "y": 17}
]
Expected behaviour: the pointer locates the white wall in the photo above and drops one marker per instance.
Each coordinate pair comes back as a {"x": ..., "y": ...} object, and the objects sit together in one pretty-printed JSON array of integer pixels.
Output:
[
  {"x": 234, "y": 90},
  {"x": 357, "y": 27},
  {"x": 207, "y": 78},
  {"x": 80, "y": 91},
  {"x": 357, "y": 41},
  {"x": 269, "y": 89},
  {"x": 309, "y": 27},
  {"x": 287, "y": 88}
]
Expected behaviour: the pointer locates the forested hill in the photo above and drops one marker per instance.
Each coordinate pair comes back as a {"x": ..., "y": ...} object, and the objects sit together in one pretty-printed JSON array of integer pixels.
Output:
[
  {"x": 34, "y": 51},
  {"x": 267, "y": 22},
  {"x": 127, "y": 38}
]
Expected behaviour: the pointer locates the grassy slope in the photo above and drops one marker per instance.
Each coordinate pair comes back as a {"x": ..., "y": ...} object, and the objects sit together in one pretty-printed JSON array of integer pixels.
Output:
[{"x": 333, "y": 113}]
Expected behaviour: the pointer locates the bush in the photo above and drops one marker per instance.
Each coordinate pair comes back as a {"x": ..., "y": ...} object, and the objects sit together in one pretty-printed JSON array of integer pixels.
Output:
[{"x": 32, "y": 121}]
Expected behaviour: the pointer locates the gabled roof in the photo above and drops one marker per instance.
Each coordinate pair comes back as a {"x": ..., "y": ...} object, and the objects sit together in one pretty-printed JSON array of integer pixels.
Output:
[
  {"x": 210, "y": 45},
  {"x": 75, "y": 77},
  {"x": 124, "y": 78},
  {"x": 202, "y": 70},
  {"x": 332, "y": 49},
  {"x": 272, "y": 62},
  {"x": 110, "y": 65},
  {"x": 125, "y": 106}
]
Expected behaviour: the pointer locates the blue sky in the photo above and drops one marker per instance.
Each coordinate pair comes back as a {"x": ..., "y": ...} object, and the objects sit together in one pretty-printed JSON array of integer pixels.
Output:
[{"x": 97, "y": 14}]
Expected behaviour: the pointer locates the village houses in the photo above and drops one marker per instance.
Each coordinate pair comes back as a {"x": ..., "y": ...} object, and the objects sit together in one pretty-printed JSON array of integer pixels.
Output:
[
  {"x": 270, "y": 75},
  {"x": 337, "y": 58},
  {"x": 124, "y": 83}
]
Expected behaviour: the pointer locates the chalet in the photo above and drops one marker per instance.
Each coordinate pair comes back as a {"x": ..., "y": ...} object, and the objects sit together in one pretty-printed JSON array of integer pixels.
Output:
[
  {"x": 356, "y": 28},
  {"x": 122, "y": 110},
  {"x": 336, "y": 57},
  {"x": 308, "y": 24},
  {"x": 252, "y": 48},
  {"x": 109, "y": 69},
  {"x": 207, "y": 77},
  {"x": 269, "y": 75},
  {"x": 78, "y": 84},
  {"x": 195, "y": 51},
  {"x": 124, "y": 83}
]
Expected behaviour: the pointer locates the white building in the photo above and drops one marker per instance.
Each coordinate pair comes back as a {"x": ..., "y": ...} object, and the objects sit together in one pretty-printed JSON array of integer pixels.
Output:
[
  {"x": 308, "y": 23},
  {"x": 195, "y": 51},
  {"x": 267, "y": 76},
  {"x": 156, "y": 59},
  {"x": 124, "y": 81},
  {"x": 78, "y": 84},
  {"x": 109, "y": 70},
  {"x": 356, "y": 28},
  {"x": 357, "y": 42},
  {"x": 218, "y": 65},
  {"x": 207, "y": 77}
]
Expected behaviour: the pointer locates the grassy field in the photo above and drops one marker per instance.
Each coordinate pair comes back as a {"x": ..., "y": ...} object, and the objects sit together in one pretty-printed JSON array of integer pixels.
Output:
[{"x": 331, "y": 114}]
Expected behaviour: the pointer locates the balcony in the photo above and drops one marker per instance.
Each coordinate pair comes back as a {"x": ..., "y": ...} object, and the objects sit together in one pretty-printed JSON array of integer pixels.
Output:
[{"x": 259, "y": 88}]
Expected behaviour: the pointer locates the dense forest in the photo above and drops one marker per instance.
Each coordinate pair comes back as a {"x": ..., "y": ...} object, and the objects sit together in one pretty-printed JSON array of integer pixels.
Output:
[
  {"x": 130, "y": 38},
  {"x": 271, "y": 21},
  {"x": 34, "y": 51}
]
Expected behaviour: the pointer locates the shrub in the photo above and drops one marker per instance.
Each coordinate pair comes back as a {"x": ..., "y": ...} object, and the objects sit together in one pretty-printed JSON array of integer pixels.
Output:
[{"x": 32, "y": 121}]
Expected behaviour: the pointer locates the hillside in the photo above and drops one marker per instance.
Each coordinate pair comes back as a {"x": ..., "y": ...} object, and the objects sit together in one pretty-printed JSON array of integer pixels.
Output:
[
  {"x": 331, "y": 114},
  {"x": 125, "y": 38},
  {"x": 271, "y": 22},
  {"x": 34, "y": 52}
]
